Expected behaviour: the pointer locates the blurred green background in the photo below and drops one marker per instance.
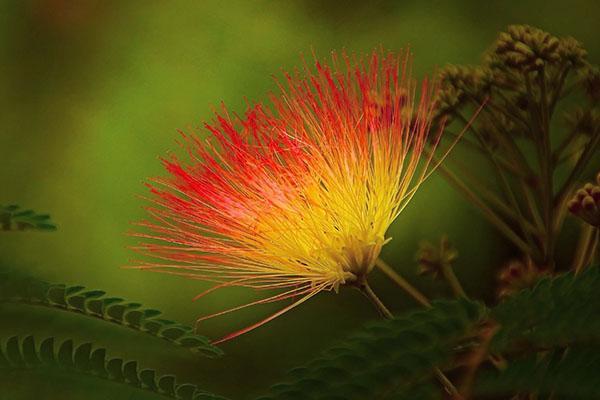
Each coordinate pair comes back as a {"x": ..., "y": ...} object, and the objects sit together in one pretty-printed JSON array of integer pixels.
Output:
[{"x": 92, "y": 93}]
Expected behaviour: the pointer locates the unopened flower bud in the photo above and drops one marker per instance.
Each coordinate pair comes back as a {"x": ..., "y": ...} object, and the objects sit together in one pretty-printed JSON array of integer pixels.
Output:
[
  {"x": 526, "y": 48},
  {"x": 432, "y": 259},
  {"x": 571, "y": 51},
  {"x": 585, "y": 203},
  {"x": 517, "y": 275}
]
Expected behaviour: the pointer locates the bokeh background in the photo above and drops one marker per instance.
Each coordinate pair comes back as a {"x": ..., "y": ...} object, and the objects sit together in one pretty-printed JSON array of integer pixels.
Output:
[{"x": 93, "y": 92}]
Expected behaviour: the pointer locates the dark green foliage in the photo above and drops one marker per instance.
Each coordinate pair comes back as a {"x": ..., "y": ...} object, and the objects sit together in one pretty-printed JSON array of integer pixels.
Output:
[
  {"x": 85, "y": 359},
  {"x": 392, "y": 359},
  {"x": 557, "y": 312},
  {"x": 12, "y": 217},
  {"x": 570, "y": 374},
  {"x": 551, "y": 334},
  {"x": 95, "y": 303}
]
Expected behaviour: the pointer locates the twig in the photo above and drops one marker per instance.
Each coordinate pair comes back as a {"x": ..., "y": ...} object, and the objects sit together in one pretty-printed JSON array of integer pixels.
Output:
[
  {"x": 403, "y": 283},
  {"x": 364, "y": 287}
]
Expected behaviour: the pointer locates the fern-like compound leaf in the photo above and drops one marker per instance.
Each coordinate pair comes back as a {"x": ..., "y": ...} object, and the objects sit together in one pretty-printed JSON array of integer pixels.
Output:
[
  {"x": 565, "y": 374},
  {"x": 85, "y": 359},
  {"x": 95, "y": 304},
  {"x": 558, "y": 311},
  {"x": 393, "y": 359},
  {"x": 13, "y": 218}
]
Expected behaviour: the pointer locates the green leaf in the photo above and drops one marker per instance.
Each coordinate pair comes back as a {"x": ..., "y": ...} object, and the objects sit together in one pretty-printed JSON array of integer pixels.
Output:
[
  {"x": 166, "y": 384},
  {"x": 147, "y": 377},
  {"x": 77, "y": 302},
  {"x": 173, "y": 333},
  {"x": 571, "y": 374},
  {"x": 56, "y": 295},
  {"x": 115, "y": 369},
  {"x": 386, "y": 358},
  {"x": 557, "y": 312},
  {"x": 117, "y": 311},
  {"x": 86, "y": 360},
  {"x": 95, "y": 307},
  {"x": 71, "y": 290},
  {"x": 134, "y": 318},
  {"x": 28, "y": 350},
  {"x": 192, "y": 341},
  {"x": 98, "y": 362},
  {"x": 185, "y": 391},
  {"x": 13, "y": 353},
  {"x": 13, "y": 218},
  {"x": 152, "y": 327},
  {"x": 81, "y": 358},
  {"x": 93, "y": 294},
  {"x": 92, "y": 303},
  {"x": 130, "y": 373},
  {"x": 47, "y": 351},
  {"x": 65, "y": 354},
  {"x": 150, "y": 313},
  {"x": 4, "y": 363}
]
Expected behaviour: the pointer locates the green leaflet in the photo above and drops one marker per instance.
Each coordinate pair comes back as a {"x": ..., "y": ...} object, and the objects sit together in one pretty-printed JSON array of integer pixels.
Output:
[
  {"x": 553, "y": 330},
  {"x": 573, "y": 374},
  {"x": 12, "y": 217},
  {"x": 391, "y": 359},
  {"x": 558, "y": 311},
  {"x": 95, "y": 304},
  {"x": 85, "y": 359},
  {"x": 395, "y": 359}
]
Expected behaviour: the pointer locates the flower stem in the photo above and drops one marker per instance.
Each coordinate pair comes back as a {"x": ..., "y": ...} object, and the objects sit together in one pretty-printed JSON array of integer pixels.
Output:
[
  {"x": 366, "y": 290},
  {"x": 584, "y": 255},
  {"x": 448, "y": 385},
  {"x": 487, "y": 211},
  {"x": 403, "y": 283},
  {"x": 453, "y": 281}
]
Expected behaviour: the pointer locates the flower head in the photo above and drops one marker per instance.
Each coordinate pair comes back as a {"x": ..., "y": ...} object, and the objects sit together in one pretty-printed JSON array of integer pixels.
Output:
[{"x": 297, "y": 196}]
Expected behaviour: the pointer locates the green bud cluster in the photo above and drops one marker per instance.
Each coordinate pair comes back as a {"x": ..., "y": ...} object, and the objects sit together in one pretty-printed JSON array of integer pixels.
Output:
[
  {"x": 526, "y": 48},
  {"x": 506, "y": 107},
  {"x": 519, "y": 51}
]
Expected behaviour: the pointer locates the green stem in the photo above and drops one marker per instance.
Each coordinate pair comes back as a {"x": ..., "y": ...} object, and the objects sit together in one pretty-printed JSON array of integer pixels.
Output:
[
  {"x": 572, "y": 153},
  {"x": 453, "y": 281},
  {"x": 586, "y": 248},
  {"x": 403, "y": 283},
  {"x": 504, "y": 182},
  {"x": 578, "y": 169},
  {"x": 562, "y": 78},
  {"x": 508, "y": 143},
  {"x": 532, "y": 206},
  {"x": 365, "y": 289},
  {"x": 477, "y": 359},
  {"x": 491, "y": 216},
  {"x": 547, "y": 171},
  {"x": 504, "y": 163},
  {"x": 509, "y": 109},
  {"x": 557, "y": 155},
  {"x": 485, "y": 194}
]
